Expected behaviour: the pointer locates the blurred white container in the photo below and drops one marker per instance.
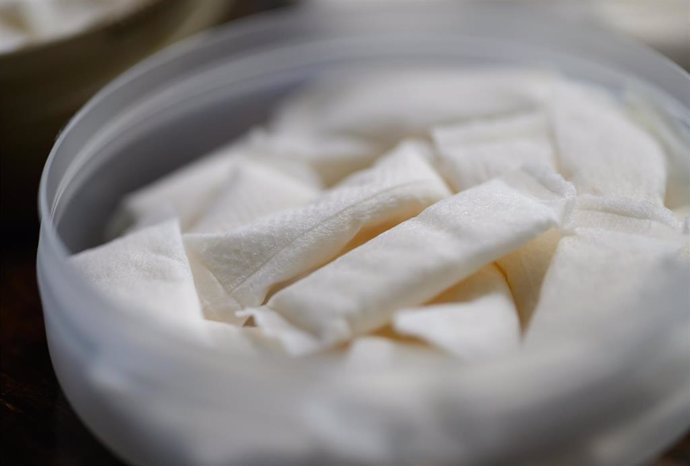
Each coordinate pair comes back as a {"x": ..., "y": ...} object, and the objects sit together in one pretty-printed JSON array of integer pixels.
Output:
[
  {"x": 662, "y": 24},
  {"x": 157, "y": 396}
]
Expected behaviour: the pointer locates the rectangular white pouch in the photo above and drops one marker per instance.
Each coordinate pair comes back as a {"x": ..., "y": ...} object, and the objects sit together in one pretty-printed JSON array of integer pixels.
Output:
[
  {"x": 188, "y": 192},
  {"x": 600, "y": 148},
  {"x": 330, "y": 159},
  {"x": 251, "y": 191},
  {"x": 473, "y": 152},
  {"x": 145, "y": 271},
  {"x": 184, "y": 194},
  {"x": 526, "y": 267},
  {"x": 596, "y": 269},
  {"x": 415, "y": 261},
  {"x": 240, "y": 268},
  {"x": 474, "y": 320}
]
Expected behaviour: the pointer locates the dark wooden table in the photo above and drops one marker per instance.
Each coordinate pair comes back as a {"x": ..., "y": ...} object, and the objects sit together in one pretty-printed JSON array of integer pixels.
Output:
[{"x": 38, "y": 425}]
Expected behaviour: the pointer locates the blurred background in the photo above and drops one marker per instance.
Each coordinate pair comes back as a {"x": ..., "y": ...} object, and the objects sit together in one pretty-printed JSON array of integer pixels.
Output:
[{"x": 54, "y": 55}]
